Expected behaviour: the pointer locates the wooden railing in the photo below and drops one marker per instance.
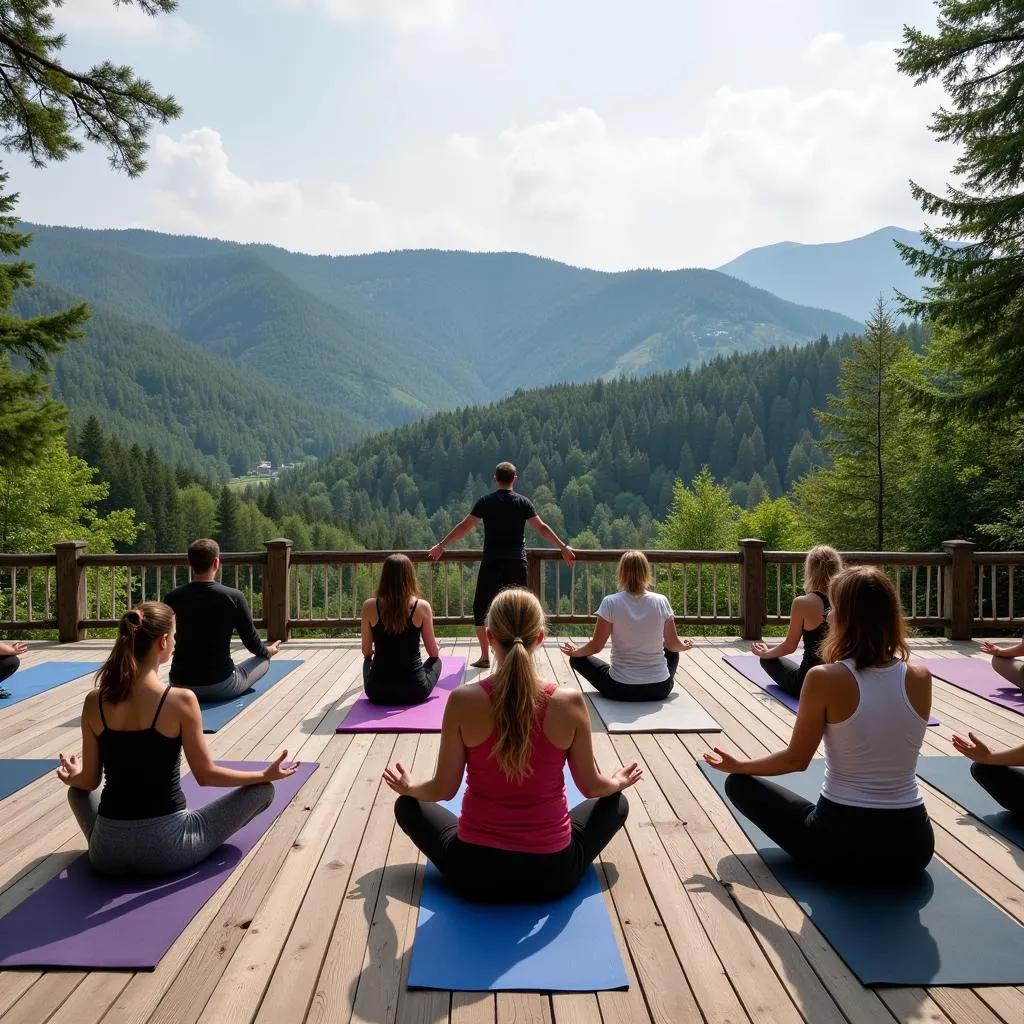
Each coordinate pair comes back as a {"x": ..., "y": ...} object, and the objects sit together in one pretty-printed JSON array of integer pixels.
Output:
[{"x": 957, "y": 589}]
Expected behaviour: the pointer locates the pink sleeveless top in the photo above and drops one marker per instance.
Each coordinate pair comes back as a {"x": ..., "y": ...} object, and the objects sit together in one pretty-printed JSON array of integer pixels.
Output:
[{"x": 531, "y": 816}]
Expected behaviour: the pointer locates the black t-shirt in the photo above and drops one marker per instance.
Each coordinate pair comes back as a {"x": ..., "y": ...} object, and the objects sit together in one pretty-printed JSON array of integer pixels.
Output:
[
  {"x": 504, "y": 514},
  {"x": 206, "y": 614}
]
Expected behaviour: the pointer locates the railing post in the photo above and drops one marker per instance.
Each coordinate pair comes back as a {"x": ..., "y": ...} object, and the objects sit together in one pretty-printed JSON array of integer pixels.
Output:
[
  {"x": 276, "y": 576},
  {"x": 70, "y": 578},
  {"x": 752, "y": 588},
  {"x": 534, "y": 566},
  {"x": 958, "y": 589}
]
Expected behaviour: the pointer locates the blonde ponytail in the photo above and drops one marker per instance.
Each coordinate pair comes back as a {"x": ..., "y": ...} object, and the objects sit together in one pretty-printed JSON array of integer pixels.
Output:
[{"x": 515, "y": 621}]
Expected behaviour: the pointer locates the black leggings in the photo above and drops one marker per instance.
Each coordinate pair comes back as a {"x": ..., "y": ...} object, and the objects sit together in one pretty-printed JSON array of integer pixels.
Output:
[
  {"x": 390, "y": 689},
  {"x": 866, "y": 844},
  {"x": 786, "y": 675},
  {"x": 493, "y": 577},
  {"x": 1004, "y": 784},
  {"x": 598, "y": 674},
  {"x": 486, "y": 874},
  {"x": 8, "y": 666}
]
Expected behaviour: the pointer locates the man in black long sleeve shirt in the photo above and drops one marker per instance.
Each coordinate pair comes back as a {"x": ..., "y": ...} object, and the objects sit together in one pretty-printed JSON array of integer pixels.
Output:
[{"x": 206, "y": 615}]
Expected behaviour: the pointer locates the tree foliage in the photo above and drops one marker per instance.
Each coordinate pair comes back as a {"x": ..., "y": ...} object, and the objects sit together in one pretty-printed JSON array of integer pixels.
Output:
[{"x": 975, "y": 255}]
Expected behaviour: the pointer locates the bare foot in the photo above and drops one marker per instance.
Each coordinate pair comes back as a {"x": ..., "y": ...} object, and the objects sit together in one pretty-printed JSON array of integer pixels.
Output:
[{"x": 481, "y": 663}]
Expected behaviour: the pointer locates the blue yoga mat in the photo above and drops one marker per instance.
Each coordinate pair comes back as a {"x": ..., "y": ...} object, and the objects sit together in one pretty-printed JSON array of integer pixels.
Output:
[
  {"x": 564, "y": 946},
  {"x": 952, "y": 776},
  {"x": 217, "y": 714},
  {"x": 16, "y": 774},
  {"x": 937, "y": 932},
  {"x": 28, "y": 682}
]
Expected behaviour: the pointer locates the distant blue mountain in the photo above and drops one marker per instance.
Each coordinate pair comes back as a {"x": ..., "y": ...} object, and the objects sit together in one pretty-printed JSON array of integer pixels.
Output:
[{"x": 847, "y": 277}]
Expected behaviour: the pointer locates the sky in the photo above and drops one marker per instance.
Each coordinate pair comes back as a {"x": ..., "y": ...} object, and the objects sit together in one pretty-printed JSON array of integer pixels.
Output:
[{"x": 653, "y": 133}]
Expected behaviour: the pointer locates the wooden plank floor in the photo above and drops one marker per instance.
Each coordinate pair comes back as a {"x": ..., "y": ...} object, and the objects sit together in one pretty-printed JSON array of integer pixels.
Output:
[{"x": 316, "y": 924}]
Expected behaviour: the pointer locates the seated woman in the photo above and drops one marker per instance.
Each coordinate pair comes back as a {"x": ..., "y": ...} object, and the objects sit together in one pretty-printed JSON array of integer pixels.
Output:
[
  {"x": 808, "y": 619},
  {"x": 1003, "y": 663},
  {"x": 10, "y": 662},
  {"x": 134, "y": 729},
  {"x": 645, "y": 645},
  {"x": 871, "y": 708},
  {"x": 392, "y": 624},
  {"x": 516, "y": 839},
  {"x": 1000, "y": 773}
]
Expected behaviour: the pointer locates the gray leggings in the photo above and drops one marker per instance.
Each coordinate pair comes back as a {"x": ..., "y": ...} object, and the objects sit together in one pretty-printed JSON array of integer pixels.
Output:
[
  {"x": 246, "y": 673},
  {"x": 170, "y": 843}
]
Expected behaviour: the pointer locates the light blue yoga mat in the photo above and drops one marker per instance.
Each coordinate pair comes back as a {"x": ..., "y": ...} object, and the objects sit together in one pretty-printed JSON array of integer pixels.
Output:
[
  {"x": 28, "y": 682},
  {"x": 952, "y": 776},
  {"x": 15, "y": 774},
  {"x": 937, "y": 932},
  {"x": 217, "y": 714},
  {"x": 564, "y": 946}
]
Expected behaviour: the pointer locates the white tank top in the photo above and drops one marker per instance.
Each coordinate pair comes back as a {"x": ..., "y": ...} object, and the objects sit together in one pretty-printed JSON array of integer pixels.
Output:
[{"x": 871, "y": 758}]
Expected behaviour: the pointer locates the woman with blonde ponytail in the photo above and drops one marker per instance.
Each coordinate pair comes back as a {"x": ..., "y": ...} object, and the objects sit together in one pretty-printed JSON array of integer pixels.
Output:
[
  {"x": 516, "y": 840},
  {"x": 134, "y": 729}
]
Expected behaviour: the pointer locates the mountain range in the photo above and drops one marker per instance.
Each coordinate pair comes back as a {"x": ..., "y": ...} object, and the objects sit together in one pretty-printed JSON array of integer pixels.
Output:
[{"x": 221, "y": 353}]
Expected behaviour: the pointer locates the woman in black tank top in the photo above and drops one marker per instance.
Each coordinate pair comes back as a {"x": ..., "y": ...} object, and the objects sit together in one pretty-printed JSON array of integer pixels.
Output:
[
  {"x": 134, "y": 729},
  {"x": 808, "y": 621},
  {"x": 394, "y": 674}
]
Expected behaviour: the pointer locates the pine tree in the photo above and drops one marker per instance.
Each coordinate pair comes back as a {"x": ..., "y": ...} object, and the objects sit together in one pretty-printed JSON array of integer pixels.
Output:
[
  {"x": 866, "y": 427},
  {"x": 976, "y": 255},
  {"x": 228, "y": 530}
]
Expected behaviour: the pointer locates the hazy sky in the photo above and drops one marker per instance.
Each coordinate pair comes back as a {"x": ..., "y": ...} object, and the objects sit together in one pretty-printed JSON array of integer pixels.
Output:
[{"x": 659, "y": 133}]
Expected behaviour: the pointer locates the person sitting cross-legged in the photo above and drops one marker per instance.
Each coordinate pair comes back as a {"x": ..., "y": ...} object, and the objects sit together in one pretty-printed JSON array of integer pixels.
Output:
[
  {"x": 999, "y": 772},
  {"x": 645, "y": 644},
  {"x": 516, "y": 840},
  {"x": 1003, "y": 661},
  {"x": 871, "y": 709},
  {"x": 10, "y": 661}
]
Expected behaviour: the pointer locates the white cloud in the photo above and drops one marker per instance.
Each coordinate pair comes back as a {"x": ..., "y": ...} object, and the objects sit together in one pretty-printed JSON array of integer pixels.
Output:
[
  {"x": 822, "y": 46},
  {"x": 403, "y": 15},
  {"x": 103, "y": 16}
]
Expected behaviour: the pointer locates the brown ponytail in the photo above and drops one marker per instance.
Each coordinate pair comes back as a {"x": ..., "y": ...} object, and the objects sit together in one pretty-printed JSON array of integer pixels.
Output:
[
  {"x": 515, "y": 621},
  {"x": 139, "y": 630}
]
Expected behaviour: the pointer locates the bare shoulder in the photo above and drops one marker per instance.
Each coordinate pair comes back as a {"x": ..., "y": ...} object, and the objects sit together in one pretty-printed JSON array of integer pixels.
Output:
[
  {"x": 918, "y": 673},
  {"x": 423, "y": 608},
  {"x": 828, "y": 675},
  {"x": 369, "y": 605},
  {"x": 568, "y": 700},
  {"x": 182, "y": 699},
  {"x": 91, "y": 704},
  {"x": 471, "y": 695}
]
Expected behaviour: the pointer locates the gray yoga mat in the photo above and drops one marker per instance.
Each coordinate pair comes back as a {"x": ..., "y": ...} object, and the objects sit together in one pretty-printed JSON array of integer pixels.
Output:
[
  {"x": 940, "y": 931},
  {"x": 678, "y": 712},
  {"x": 952, "y": 776}
]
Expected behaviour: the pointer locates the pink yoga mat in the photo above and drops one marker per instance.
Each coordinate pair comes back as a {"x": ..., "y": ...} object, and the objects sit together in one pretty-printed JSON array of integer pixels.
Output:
[
  {"x": 978, "y": 677},
  {"x": 425, "y": 717},
  {"x": 749, "y": 666},
  {"x": 83, "y": 919}
]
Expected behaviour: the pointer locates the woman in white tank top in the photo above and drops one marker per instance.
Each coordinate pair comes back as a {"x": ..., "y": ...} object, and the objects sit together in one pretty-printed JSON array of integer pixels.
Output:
[{"x": 871, "y": 710}]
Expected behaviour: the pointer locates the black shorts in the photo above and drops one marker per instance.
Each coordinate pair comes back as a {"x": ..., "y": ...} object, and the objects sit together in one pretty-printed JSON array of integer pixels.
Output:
[{"x": 492, "y": 578}]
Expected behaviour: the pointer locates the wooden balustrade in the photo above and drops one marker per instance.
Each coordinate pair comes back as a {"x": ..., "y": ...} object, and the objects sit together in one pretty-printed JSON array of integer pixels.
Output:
[{"x": 957, "y": 589}]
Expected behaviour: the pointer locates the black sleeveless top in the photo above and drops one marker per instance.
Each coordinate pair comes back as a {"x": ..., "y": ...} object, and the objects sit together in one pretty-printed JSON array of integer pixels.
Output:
[
  {"x": 142, "y": 768},
  {"x": 813, "y": 637},
  {"x": 399, "y": 652}
]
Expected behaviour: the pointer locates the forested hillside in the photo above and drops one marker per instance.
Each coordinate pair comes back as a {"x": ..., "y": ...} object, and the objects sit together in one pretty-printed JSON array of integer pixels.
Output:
[
  {"x": 152, "y": 389},
  {"x": 387, "y": 337},
  {"x": 599, "y": 459}
]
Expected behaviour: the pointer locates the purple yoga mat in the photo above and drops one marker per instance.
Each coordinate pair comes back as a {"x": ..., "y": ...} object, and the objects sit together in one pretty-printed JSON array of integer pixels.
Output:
[
  {"x": 83, "y": 919},
  {"x": 425, "y": 717},
  {"x": 749, "y": 666},
  {"x": 978, "y": 677}
]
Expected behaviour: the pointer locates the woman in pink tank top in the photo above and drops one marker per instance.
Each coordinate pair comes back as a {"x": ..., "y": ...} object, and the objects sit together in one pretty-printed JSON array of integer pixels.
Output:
[
  {"x": 516, "y": 839},
  {"x": 871, "y": 710}
]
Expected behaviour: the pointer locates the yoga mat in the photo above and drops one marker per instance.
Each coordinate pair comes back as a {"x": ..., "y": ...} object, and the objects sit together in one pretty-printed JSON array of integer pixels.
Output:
[
  {"x": 749, "y": 666},
  {"x": 564, "y": 946},
  {"x": 28, "y": 682},
  {"x": 86, "y": 920},
  {"x": 678, "y": 712},
  {"x": 426, "y": 717},
  {"x": 939, "y": 931},
  {"x": 952, "y": 776},
  {"x": 16, "y": 774},
  {"x": 977, "y": 677},
  {"x": 217, "y": 713}
]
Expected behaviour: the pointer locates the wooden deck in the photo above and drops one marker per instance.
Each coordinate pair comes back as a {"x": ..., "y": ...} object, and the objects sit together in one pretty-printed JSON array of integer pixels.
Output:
[{"x": 316, "y": 924}]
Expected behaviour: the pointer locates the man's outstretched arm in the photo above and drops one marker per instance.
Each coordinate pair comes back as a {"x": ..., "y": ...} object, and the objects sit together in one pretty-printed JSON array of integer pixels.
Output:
[
  {"x": 454, "y": 534},
  {"x": 568, "y": 555}
]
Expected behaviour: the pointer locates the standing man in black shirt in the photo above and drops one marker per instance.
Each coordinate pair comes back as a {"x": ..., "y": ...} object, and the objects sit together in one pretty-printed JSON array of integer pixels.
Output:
[
  {"x": 505, "y": 515},
  {"x": 206, "y": 615}
]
